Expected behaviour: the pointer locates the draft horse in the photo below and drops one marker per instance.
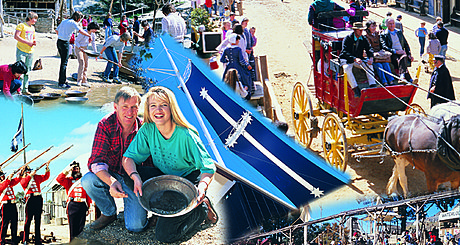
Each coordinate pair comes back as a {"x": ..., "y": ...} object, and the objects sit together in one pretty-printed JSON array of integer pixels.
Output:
[{"x": 413, "y": 139}]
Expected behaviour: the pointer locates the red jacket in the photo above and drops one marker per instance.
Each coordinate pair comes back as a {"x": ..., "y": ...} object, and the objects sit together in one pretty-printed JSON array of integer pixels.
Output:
[
  {"x": 9, "y": 192},
  {"x": 7, "y": 76},
  {"x": 35, "y": 186},
  {"x": 77, "y": 191}
]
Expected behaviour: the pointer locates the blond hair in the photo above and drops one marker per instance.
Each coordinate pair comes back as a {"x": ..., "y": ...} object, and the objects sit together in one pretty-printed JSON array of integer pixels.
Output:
[{"x": 162, "y": 93}]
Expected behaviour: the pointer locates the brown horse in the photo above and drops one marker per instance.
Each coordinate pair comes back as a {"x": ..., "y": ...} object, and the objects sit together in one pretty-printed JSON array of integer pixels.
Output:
[{"x": 412, "y": 139}]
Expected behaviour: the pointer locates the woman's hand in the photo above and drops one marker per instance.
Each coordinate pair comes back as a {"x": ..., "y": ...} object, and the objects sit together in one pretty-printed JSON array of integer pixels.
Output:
[{"x": 116, "y": 190}]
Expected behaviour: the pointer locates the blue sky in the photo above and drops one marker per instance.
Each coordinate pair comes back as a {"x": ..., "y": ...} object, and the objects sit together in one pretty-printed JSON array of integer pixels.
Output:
[{"x": 61, "y": 127}]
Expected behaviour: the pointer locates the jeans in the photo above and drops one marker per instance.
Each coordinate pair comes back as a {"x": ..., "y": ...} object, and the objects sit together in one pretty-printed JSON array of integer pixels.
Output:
[
  {"x": 135, "y": 215},
  {"x": 443, "y": 50},
  {"x": 385, "y": 78},
  {"x": 421, "y": 40},
  {"x": 111, "y": 54},
  {"x": 15, "y": 84},
  {"x": 28, "y": 59},
  {"x": 63, "y": 49},
  {"x": 108, "y": 32}
]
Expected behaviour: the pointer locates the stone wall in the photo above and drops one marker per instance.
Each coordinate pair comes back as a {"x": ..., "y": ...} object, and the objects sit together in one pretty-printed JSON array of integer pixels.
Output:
[{"x": 44, "y": 25}]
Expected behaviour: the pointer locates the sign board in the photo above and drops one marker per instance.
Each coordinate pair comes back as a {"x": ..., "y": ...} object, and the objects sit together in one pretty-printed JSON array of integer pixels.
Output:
[{"x": 454, "y": 214}]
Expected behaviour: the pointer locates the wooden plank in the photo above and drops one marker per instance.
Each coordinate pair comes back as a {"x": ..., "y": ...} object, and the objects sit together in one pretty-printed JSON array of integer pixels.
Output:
[
  {"x": 257, "y": 68},
  {"x": 263, "y": 67}
]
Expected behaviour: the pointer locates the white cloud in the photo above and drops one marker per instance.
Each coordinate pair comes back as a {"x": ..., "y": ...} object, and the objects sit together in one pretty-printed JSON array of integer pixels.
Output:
[{"x": 86, "y": 128}]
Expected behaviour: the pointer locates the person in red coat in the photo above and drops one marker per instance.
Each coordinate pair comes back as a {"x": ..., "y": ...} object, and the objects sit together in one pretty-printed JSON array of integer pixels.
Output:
[
  {"x": 34, "y": 201},
  {"x": 77, "y": 201},
  {"x": 9, "y": 209}
]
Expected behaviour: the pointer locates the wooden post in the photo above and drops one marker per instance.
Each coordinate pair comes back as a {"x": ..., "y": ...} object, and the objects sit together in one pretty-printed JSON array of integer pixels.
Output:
[{"x": 1, "y": 17}]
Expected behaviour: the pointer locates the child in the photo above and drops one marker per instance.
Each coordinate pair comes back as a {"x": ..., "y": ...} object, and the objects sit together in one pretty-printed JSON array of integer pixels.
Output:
[
  {"x": 232, "y": 80},
  {"x": 233, "y": 55},
  {"x": 433, "y": 48},
  {"x": 226, "y": 13},
  {"x": 254, "y": 38},
  {"x": 421, "y": 33},
  {"x": 81, "y": 43}
]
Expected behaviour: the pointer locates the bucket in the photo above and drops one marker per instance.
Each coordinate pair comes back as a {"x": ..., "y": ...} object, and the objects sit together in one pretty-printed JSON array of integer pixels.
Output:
[
  {"x": 168, "y": 196},
  {"x": 213, "y": 63}
]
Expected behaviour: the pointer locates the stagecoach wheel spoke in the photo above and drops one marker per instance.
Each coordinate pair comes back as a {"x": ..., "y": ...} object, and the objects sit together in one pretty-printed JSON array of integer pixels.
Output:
[
  {"x": 415, "y": 109},
  {"x": 301, "y": 112},
  {"x": 335, "y": 146}
]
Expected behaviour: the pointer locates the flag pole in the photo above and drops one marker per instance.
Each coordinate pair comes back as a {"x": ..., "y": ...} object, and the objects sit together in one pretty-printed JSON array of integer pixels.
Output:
[
  {"x": 23, "y": 137},
  {"x": 195, "y": 110}
]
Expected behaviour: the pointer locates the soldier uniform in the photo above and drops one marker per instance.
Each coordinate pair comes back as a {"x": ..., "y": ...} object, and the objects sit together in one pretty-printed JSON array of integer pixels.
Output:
[
  {"x": 9, "y": 209},
  {"x": 34, "y": 203}
]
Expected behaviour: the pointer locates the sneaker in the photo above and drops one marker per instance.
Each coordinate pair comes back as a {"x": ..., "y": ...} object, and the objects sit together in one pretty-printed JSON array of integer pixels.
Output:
[
  {"x": 102, "y": 222},
  {"x": 373, "y": 85},
  {"x": 86, "y": 85},
  {"x": 106, "y": 80},
  {"x": 116, "y": 80},
  {"x": 64, "y": 85}
]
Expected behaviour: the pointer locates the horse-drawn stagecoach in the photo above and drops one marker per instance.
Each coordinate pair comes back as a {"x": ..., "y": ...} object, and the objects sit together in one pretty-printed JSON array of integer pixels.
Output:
[{"x": 351, "y": 124}]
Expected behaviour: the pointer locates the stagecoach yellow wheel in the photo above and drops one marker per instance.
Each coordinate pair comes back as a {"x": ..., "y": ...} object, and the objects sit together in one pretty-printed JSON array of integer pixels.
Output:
[
  {"x": 301, "y": 114},
  {"x": 335, "y": 146},
  {"x": 415, "y": 109}
]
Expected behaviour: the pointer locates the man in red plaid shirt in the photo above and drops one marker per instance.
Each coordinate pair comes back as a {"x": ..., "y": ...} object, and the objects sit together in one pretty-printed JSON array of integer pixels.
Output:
[{"x": 113, "y": 135}]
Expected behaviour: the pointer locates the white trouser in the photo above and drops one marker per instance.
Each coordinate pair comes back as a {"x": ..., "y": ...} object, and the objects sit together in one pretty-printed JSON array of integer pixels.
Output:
[{"x": 348, "y": 69}]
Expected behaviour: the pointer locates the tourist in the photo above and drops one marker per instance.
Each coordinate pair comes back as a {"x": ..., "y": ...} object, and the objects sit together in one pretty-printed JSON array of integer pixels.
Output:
[
  {"x": 65, "y": 31},
  {"x": 382, "y": 58},
  {"x": 9, "y": 209},
  {"x": 148, "y": 33},
  {"x": 25, "y": 35},
  {"x": 442, "y": 34},
  {"x": 398, "y": 23},
  {"x": 9, "y": 78},
  {"x": 173, "y": 23},
  {"x": 77, "y": 200},
  {"x": 435, "y": 26},
  {"x": 383, "y": 26},
  {"x": 393, "y": 41},
  {"x": 253, "y": 36},
  {"x": 108, "y": 25},
  {"x": 81, "y": 44},
  {"x": 84, "y": 22},
  {"x": 136, "y": 28},
  {"x": 233, "y": 57},
  {"x": 123, "y": 26},
  {"x": 233, "y": 20},
  {"x": 169, "y": 138},
  {"x": 421, "y": 33},
  {"x": 440, "y": 83},
  {"x": 113, "y": 135},
  {"x": 110, "y": 49},
  {"x": 226, "y": 29},
  {"x": 34, "y": 201},
  {"x": 317, "y": 7},
  {"x": 249, "y": 45},
  {"x": 232, "y": 80},
  {"x": 354, "y": 46}
]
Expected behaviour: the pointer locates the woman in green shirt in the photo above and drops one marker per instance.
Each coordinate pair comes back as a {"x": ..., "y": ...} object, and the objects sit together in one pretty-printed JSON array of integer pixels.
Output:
[{"x": 176, "y": 149}]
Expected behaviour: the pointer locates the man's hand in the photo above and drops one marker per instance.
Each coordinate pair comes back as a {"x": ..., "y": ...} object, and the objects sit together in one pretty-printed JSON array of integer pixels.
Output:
[
  {"x": 358, "y": 61},
  {"x": 249, "y": 67},
  {"x": 202, "y": 186},
  {"x": 90, "y": 39},
  {"x": 116, "y": 190},
  {"x": 10, "y": 176},
  {"x": 432, "y": 89},
  {"x": 411, "y": 58},
  {"x": 119, "y": 64}
]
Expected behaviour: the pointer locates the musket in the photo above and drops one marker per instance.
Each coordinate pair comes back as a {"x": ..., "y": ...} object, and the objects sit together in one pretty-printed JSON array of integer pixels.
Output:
[
  {"x": 15, "y": 154},
  {"x": 48, "y": 162},
  {"x": 25, "y": 165}
]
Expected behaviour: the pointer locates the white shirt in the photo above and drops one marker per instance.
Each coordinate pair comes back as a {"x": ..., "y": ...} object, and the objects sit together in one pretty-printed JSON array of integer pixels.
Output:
[
  {"x": 83, "y": 41},
  {"x": 66, "y": 28},
  {"x": 174, "y": 24},
  {"x": 241, "y": 44}
]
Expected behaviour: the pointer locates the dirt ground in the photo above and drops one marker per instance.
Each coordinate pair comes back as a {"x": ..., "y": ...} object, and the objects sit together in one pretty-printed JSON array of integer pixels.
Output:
[{"x": 285, "y": 37}]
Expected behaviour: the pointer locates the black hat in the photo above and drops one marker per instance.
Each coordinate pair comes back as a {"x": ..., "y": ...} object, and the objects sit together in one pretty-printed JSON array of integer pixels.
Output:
[
  {"x": 439, "y": 57},
  {"x": 399, "y": 17},
  {"x": 75, "y": 164},
  {"x": 27, "y": 168},
  {"x": 2, "y": 173}
]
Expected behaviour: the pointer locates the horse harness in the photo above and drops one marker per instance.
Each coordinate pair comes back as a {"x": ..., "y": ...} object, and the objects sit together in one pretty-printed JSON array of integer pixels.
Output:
[{"x": 446, "y": 152}]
